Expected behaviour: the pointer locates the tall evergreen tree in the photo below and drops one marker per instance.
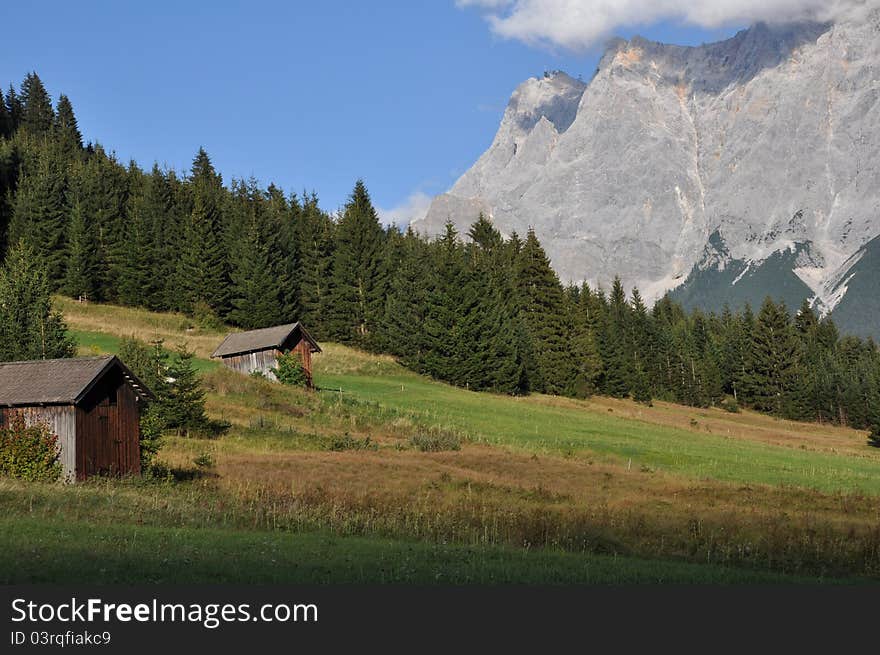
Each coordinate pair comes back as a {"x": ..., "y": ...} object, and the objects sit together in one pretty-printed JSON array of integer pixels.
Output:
[
  {"x": 356, "y": 303},
  {"x": 203, "y": 276},
  {"x": 37, "y": 115},
  {"x": 314, "y": 233},
  {"x": 40, "y": 211},
  {"x": 66, "y": 128},
  {"x": 545, "y": 318},
  {"x": 29, "y": 327},
  {"x": 81, "y": 275},
  {"x": 773, "y": 357}
]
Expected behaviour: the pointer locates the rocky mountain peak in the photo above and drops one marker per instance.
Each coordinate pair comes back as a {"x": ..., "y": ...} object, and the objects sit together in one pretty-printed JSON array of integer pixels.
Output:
[{"x": 766, "y": 142}]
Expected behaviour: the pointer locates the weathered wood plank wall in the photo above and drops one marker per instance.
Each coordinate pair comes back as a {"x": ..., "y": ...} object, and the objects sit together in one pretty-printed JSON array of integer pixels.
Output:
[{"x": 61, "y": 420}]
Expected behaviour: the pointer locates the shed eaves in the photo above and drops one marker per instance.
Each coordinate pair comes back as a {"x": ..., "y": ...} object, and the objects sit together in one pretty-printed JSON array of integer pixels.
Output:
[
  {"x": 56, "y": 381},
  {"x": 274, "y": 337}
]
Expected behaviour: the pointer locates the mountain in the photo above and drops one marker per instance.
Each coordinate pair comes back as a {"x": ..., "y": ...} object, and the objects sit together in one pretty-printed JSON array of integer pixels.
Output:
[{"x": 721, "y": 173}]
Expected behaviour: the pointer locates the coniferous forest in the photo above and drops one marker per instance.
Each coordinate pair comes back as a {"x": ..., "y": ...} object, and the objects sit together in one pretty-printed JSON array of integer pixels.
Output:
[{"x": 477, "y": 310}]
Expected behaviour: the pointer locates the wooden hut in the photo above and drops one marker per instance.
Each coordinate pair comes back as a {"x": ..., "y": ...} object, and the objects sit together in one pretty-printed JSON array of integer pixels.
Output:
[
  {"x": 259, "y": 350},
  {"x": 91, "y": 403}
]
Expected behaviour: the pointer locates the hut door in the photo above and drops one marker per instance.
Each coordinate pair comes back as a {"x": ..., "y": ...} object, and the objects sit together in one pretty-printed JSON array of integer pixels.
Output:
[{"x": 97, "y": 441}]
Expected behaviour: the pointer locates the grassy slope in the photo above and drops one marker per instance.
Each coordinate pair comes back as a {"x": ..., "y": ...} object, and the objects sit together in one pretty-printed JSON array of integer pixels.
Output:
[
  {"x": 555, "y": 426},
  {"x": 656, "y": 488}
]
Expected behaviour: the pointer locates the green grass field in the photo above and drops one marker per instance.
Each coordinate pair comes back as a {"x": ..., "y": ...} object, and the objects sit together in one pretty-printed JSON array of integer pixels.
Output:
[
  {"x": 570, "y": 427},
  {"x": 328, "y": 487},
  {"x": 60, "y": 552}
]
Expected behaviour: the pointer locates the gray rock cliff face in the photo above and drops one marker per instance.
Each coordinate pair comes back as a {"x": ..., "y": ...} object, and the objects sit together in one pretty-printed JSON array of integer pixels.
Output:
[{"x": 767, "y": 142}]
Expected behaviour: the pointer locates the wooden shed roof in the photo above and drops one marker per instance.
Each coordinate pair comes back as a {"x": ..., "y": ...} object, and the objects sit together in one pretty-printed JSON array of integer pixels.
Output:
[
  {"x": 59, "y": 381},
  {"x": 239, "y": 343}
]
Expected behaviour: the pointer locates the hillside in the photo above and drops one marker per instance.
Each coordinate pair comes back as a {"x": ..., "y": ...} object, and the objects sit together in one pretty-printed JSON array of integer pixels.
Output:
[
  {"x": 333, "y": 485},
  {"x": 725, "y": 171}
]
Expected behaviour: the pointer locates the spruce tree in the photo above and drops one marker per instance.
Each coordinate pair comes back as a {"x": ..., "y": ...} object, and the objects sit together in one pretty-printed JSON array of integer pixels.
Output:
[
  {"x": 40, "y": 211},
  {"x": 773, "y": 358},
  {"x": 5, "y": 119},
  {"x": 29, "y": 326},
  {"x": 203, "y": 275},
  {"x": 544, "y": 316},
  {"x": 443, "y": 314},
  {"x": 37, "y": 115},
  {"x": 14, "y": 109},
  {"x": 314, "y": 234},
  {"x": 183, "y": 407},
  {"x": 407, "y": 302},
  {"x": 66, "y": 128},
  {"x": 355, "y": 303},
  {"x": 256, "y": 300},
  {"x": 80, "y": 278}
]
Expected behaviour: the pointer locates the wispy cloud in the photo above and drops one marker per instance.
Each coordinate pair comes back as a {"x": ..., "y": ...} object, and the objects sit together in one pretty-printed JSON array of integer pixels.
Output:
[
  {"x": 579, "y": 24},
  {"x": 413, "y": 208}
]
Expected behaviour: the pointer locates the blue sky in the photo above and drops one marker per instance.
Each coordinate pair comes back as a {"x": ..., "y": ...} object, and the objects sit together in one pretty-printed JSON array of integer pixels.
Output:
[{"x": 310, "y": 95}]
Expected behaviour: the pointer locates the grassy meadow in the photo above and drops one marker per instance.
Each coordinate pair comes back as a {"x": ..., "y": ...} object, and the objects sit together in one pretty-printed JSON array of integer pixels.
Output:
[{"x": 332, "y": 486}]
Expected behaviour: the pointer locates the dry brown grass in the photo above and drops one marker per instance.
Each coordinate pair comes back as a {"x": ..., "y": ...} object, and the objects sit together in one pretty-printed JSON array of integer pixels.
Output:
[{"x": 483, "y": 494}]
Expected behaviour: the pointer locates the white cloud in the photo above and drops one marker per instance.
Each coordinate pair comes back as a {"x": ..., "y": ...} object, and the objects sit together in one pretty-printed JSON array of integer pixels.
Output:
[
  {"x": 413, "y": 208},
  {"x": 579, "y": 24}
]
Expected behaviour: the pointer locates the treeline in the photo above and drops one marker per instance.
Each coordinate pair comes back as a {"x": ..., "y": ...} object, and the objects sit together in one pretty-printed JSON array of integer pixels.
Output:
[{"x": 485, "y": 312}]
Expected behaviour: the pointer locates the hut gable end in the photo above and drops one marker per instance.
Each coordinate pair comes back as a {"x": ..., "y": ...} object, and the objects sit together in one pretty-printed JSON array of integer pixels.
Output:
[{"x": 92, "y": 404}]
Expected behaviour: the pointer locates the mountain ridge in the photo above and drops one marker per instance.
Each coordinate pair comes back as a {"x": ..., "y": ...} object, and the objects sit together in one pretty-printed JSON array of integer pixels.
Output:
[{"x": 769, "y": 139}]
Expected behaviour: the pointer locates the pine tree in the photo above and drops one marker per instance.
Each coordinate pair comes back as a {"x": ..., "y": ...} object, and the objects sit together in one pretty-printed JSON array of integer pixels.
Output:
[
  {"x": 544, "y": 316},
  {"x": 356, "y": 303},
  {"x": 183, "y": 407},
  {"x": 314, "y": 233},
  {"x": 773, "y": 358},
  {"x": 29, "y": 327},
  {"x": 616, "y": 355},
  {"x": 101, "y": 185},
  {"x": 66, "y": 128},
  {"x": 14, "y": 109},
  {"x": 443, "y": 314},
  {"x": 256, "y": 300},
  {"x": 81, "y": 271},
  {"x": 37, "y": 115},
  {"x": 5, "y": 119},
  {"x": 407, "y": 302},
  {"x": 40, "y": 212},
  {"x": 203, "y": 276}
]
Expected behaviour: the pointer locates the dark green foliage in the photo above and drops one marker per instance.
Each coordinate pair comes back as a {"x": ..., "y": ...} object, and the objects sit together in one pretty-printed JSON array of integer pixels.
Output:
[
  {"x": 152, "y": 426},
  {"x": 542, "y": 311},
  {"x": 183, "y": 406},
  {"x": 29, "y": 327},
  {"x": 264, "y": 262},
  {"x": 355, "y": 303},
  {"x": 37, "y": 115},
  {"x": 773, "y": 357},
  {"x": 66, "y": 128},
  {"x": 81, "y": 278},
  {"x": 40, "y": 210},
  {"x": 204, "y": 272},
  {"x": 29, "y": 452},
  {"x": 290, "y": 370}
]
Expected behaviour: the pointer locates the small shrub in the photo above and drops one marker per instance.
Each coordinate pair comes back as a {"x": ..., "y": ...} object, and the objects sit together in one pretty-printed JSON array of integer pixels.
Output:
[
  {"x": 347, "y": 442},
  {"x": 204, "y": 461},
  {"x": 730, "y": 405},
  {"x": 29, "y": 452},
  {"x": 290, "y": 370},
  {"x": 435, "y": 442},
  {"x": 206, "y": 318},
  {"x": 152, "y": 425},
  {"x": 258, "y": 375}
]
